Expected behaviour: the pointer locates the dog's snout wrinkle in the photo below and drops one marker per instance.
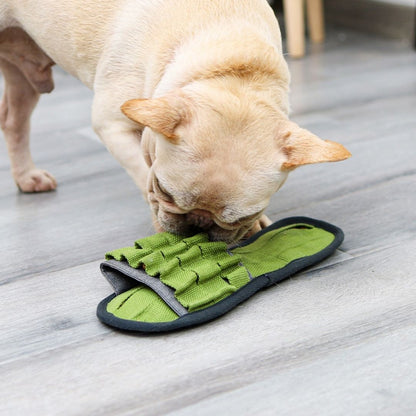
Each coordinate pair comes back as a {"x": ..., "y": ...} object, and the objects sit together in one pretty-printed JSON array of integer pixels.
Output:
[{"x": 201, "y": 213}]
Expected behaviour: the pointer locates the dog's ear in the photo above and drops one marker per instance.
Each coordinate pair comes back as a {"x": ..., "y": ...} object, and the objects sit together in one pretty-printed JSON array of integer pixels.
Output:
[
  {"x": 301, "y": 147},
  {"x": 162, "y": 115}
]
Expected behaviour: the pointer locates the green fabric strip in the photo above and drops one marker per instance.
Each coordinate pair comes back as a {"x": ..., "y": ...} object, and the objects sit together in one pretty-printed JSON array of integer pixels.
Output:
[
  {"x": 141, "y": 303},
  {"x": 201, "y": 272},
  {"x": 277, "y": 248}
]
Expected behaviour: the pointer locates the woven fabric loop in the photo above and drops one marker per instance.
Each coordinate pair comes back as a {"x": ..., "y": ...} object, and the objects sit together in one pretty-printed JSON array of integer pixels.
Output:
[{"x": 201, "y": 272}]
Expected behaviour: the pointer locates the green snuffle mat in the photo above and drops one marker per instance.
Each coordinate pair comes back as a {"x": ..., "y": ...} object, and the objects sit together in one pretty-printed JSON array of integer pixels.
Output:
[{"x": 166, "y": 282}]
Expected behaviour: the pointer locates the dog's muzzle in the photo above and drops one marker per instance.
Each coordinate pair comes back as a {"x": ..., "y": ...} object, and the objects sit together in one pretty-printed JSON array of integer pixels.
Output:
[
  {"x": 179, "y": 221},
  {"x": 200, "y": 218}
]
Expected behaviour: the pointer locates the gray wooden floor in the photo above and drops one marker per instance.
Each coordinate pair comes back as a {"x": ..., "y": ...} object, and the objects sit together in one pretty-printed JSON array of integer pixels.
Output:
[{"x": 338, "y": 340}]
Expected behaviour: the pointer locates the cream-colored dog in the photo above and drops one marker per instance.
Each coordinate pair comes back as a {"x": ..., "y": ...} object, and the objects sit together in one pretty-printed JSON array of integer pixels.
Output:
[{"x": 203, "y": 84}]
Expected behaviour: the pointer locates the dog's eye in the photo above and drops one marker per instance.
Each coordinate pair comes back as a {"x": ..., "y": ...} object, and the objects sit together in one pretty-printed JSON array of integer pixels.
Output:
[
  {"x": 162, "y": 191},
  {"x": 243, "y": 220}
]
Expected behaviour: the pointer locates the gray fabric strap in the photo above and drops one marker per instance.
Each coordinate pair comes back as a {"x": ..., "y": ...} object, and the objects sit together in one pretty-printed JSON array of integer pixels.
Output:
[{"x": 123, "y": 277}]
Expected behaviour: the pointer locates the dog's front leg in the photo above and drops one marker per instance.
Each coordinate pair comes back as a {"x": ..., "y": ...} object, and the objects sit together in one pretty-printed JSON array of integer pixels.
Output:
[{"x": 123, "y": 141}]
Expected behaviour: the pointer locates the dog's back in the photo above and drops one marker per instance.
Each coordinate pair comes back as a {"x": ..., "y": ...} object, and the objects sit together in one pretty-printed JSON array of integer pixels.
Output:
[{"x": 74, "y": 34}]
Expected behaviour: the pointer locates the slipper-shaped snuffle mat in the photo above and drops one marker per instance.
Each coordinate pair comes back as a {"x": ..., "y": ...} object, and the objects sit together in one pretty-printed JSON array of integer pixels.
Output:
[{"x": 166, "y": 282}]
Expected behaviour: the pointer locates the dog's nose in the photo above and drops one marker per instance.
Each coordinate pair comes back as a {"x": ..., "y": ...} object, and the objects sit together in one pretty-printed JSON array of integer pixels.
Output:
[{"x": 201, "y": 218}]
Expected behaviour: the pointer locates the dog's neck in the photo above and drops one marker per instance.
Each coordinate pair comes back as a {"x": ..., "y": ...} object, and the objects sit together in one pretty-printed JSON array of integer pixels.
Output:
[{"x": 241, "y": 52}]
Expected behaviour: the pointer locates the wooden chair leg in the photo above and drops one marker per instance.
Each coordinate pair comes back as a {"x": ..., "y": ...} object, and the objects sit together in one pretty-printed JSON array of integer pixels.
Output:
[
  {"x": 315, "y": 12},
  {"x": 295, "y": 27}
]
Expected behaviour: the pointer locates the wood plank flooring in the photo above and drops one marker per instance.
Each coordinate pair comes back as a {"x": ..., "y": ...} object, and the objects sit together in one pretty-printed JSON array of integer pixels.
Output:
[{"x": 338, "y": 339}]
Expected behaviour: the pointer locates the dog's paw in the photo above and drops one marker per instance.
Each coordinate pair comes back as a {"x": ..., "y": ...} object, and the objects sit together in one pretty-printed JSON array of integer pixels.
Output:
[
  {"x": 264, "y": 221},
  {"x": 261, "y": 223},
  {"x": 36, "y": 180}
]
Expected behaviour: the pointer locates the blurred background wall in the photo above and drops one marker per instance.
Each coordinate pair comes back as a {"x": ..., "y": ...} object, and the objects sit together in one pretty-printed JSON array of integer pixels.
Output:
[{"x": 391, "y": 18}]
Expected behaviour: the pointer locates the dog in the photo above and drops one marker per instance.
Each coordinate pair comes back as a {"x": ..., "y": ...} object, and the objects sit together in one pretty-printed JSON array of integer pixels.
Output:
[{"x": 203, "y": 91}]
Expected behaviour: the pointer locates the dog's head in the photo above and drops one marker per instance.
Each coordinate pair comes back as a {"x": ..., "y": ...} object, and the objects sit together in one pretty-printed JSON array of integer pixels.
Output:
[{"x": 217, "y": 156}]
